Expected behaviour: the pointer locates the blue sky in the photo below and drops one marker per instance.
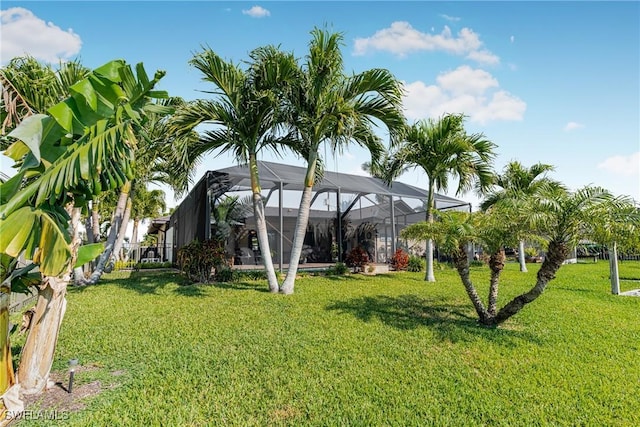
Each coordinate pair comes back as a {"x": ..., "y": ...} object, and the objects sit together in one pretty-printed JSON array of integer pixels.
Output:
[{"x": 551, "y": 82}]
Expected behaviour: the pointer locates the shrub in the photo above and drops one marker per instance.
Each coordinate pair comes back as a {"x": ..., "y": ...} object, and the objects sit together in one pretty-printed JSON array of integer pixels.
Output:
[
  {"x": 198, "y": 259},
  {"x": 531, "y": 252},
  {"x": 340, "y": 269},
  {"x": 400, "y": 260},
  {"x": 149, "y": 265},
  {"x": 357, "y": 259},
  {"x": 476, "y": 263},
  {"x": 123, "y": 265},
  {"x": 251, "y": 275},
  {"x": 225, "y": 274},
  {"x": 415, "y": 264}
]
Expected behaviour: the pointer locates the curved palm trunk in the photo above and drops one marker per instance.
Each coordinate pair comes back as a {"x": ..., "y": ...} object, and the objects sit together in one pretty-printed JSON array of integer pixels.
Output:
[
  {"x": 614, "y": 275},
  {"x": 496, "y": 264},
  {"x": 523, "y": 264},
  {"x": 429, "y": 276},
  {"x": 39, "y": 349},
  {"x": 301, "y": 226},
  {"x": 123, "y": 230},
  {"x": 113, "y": 234},
  {"x": 556, "y": 255},
  {"x": 462, "y": 265},
  {"x": 261, "y": 226}
]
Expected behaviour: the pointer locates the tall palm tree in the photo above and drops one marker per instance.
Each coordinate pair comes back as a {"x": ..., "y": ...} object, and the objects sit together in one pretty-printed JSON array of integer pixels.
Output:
[
  {"x": 327, "y": 106},
  {"x": 443, "y": 150},
  {"x": 161, "y": 157},
  {"x": 518, "y": 182},
  {"x": 245, "y": 118}
]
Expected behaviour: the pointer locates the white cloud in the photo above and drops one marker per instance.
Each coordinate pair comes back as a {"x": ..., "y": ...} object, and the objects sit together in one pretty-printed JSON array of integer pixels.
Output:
[
  {"x": 450, "y": 18},
  {"x": 473, "y": 92},
  {"x": 256, "y": 12},
  {"x": 24, "y": 33},
  {"x": 573, "y": 126},
  {"x": 401, "y": 39},
  {"x": 622, "y": 165}
]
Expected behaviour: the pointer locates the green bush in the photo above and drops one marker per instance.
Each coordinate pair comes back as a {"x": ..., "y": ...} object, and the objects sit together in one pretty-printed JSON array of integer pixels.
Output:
[
  {"x": 340, "y": 269},
  {"x": 415, "y": 264},
  {"x": 476, "y": 263},
  {"x": 225, "y": 274}
]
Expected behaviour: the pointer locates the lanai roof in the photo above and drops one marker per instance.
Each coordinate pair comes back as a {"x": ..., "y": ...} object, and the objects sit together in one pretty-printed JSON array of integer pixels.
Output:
[{"x": 292, "y": 178}]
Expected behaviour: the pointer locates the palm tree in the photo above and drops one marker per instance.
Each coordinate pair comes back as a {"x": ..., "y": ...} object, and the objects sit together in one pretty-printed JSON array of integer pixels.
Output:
[
  {"x": 161, "y": 157},
  {"x": 556, "y": 217},
  {"x": 517, "y": 182},
  {"x": 442, "y": 149},
  {"x": 327, "y": 106},
  {"x": 245, "y": 118}
]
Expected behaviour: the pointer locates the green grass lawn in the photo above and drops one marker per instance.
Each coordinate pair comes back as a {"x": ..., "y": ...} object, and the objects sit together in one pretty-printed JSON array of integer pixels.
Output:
[{"x": 358, "y": 350}]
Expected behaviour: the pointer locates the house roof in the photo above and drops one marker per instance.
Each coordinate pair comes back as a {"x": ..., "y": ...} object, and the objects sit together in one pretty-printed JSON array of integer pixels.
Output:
[
  {"x": 292, "y": 178},
  {"x": 157, "y": 224}
]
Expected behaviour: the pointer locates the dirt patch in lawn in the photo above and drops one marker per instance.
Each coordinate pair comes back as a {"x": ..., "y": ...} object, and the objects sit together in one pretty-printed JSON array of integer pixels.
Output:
[{"x": 57, "y": 398}]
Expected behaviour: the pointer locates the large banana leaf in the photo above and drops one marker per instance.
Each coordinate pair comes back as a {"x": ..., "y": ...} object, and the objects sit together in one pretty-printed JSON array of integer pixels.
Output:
[
  {"x": 39, "y": 234},
  {"x": 81, "y": 147}
]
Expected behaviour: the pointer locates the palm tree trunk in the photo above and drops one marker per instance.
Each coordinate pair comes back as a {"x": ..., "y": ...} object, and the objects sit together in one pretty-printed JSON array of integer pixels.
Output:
[
  {"x": 134, "y": 232},
  {"x": 39, "y": 349},
  {"x": 261, "y": 225},
  {"x": 301, "y": 226},
  {"x": 496, "y": 264},
  {"x": 521, "y": 259},
  {"x": 523, "y": 264},
  {"x": 123, "y": 230},
  {"x": 113, "y": 234},
  {"x": 78, "y": 272},
  {"x": 95, "y": 221},
  {"x": 91, "y": 238},
  {"x": 134, "y": 239},
  {"x": 429, "y": 276},
  {"x": 462, "y": 265},
  {"x": 556, "y": 255},
  {"x": 614, "y": 275}
]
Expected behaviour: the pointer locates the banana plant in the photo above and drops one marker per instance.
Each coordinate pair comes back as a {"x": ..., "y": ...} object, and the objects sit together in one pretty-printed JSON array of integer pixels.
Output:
[{"x": 81, "y": 147}]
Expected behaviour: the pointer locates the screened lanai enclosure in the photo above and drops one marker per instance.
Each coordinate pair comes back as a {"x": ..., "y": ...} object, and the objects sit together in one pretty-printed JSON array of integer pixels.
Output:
[{"x": 346, "y": 211}]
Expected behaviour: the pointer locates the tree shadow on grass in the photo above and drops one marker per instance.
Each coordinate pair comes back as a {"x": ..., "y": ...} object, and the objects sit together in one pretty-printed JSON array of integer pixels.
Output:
[
  {"x": 341, "y": 278},
  {"x": 148, "y": 284},
  {"x": 448, "y": 321},
  {"x": 257, "y": 286}
]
